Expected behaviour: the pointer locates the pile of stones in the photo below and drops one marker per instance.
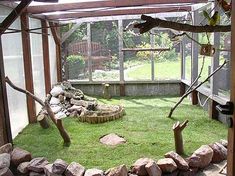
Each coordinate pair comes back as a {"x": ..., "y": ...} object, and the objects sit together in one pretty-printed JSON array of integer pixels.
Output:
[
  {"x": 16, "y": 161},
  {"x": 67, "y": 101}
]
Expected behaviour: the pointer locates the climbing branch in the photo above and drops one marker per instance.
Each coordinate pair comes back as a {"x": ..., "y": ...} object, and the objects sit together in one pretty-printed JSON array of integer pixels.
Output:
[
  {"x": 190, "y": 90},
  {"x": 46, "y": 105},
  {"x": 156, "y": 22}
]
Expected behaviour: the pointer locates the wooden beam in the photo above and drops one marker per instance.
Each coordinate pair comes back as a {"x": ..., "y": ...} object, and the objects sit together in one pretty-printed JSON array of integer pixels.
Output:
[
  {"x": 231, "y": 131},
  {"x": 194, "y": 58},
  {"x": 89, "y": 51},
  {"x": 13, "y": 15},
  {"x": 102, "y": 4},
  {"x": 117, "y": 12},
  {"x": 5, "y": 128},
  {"x": 54, "y": 32},
  {"x": 28, "y": 67},
  {"x": 46, "y": 62},
  {"x": 121, "y": 56}
]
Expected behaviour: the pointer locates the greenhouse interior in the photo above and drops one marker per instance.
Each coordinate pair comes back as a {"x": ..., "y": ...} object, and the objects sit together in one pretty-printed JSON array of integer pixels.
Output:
[{"x": 117, "y": 88}]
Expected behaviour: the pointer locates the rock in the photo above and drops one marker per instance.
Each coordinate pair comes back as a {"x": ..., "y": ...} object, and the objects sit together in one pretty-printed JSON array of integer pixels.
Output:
[
  {"x": 60, "y": 115},
  {"x": 174, "y": 173},
  {"x": 19, "y": 156},
  {"x": 194, "y": 161},
  {"x": 5, "y": 160},
  {"x": 205, "y": 153},
  {"x": 59, "y": 166},
  {"x": 54, "y": 101},
  {"x": 23, "y": 168},
  {"x": 180, "y": 162},
  {"x": 68, "y": 95},
  {"x": 139, "y": 166},
  {"x": 48, "y": 170},
  {"x": 57, "y": 90},
  {"x": 61, "y": 98},
  {"x": 153, "y": 169},
  {"x": 219, "y": 152},
  {"x": 190, "y": 172},
  {"x": 94, "y": 172},
  {"x": 167, "y": 165},
  {"x": 75, "y": 108},
  {"x": 37, "y": 164},
  {"x": 75, "y": 169},
  {"x": 36, "y": 174},
  {"x": 118, "y": 171},
  {"x": 7, "y": 148},
  {"x": 112, "y": 139},
  {"x": 6, "y": 172},
  {"x": 55, "y": 108},
  {"x": 224, "y": 142},
  {"x": 79, "y": 102}
]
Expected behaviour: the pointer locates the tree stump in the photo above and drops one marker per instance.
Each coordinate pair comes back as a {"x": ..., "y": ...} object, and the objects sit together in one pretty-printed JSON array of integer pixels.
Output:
[
  {"x": 178, "y": 128},
  {"x": 106, "y": 91},
  {"x": 43, "y": 121}
]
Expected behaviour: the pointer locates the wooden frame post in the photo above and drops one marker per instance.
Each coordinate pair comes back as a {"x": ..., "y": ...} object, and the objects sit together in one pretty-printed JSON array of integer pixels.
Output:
[
  {"x": 183, "y": 62},
  {"x": 28, "y": 67},
  {"x": 231, "y": 131},
  {"x": 5, "y": 127},
  {"x": 213, "y": 113},
  {"x": 152, "y": 42},
  {"x": 46, "y": 61},
  {"x": 89, "y": 51},
  {"x": 121, "y": 57},
  {"x": 194, "y": 61},
  {"x": 55, "y": 31}
]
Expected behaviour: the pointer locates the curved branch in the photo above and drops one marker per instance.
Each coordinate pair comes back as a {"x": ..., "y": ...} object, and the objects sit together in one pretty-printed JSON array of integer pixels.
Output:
[{"x": 156, "y": 22}]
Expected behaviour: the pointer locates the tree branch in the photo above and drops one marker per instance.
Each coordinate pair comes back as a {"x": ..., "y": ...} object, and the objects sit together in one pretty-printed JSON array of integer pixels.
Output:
[
  {"x": 156, "y": 22},
  {"x": 195, "y": 88},
  {"x": 57, "y": 122}
]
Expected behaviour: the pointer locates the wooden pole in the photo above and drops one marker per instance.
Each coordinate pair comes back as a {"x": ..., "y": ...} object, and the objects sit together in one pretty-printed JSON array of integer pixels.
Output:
[
  {"x": 28, "y": 67},
  {"x": 231, "y": 131},
  {"x": 46, "y": 62},
  {"x": 178, "y": 128}
]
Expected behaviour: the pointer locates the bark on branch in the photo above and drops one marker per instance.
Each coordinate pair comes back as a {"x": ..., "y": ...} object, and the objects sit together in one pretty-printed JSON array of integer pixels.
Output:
[
  {"x": 178, "y": 128},
  {"x": 156, "y": 22},
  {"x": 45, "y": 104},
  {"x": 189, "y": 91}
]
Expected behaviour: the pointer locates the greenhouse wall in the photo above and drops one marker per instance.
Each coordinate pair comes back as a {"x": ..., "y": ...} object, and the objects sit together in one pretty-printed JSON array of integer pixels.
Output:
[{"x": 14, "y": 69}]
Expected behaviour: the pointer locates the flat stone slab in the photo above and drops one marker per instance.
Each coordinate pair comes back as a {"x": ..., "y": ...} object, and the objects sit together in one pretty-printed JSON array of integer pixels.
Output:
[{"x": 112, "y": 139}]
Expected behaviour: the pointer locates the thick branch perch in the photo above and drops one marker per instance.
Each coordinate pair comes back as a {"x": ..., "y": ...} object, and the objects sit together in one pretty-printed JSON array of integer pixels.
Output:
[
  {"x": 58, "y": 122},
  {"x": 178, "y": 128},
  {"x": 189, "y": 91},
  {"x": 156, "y": 22}
]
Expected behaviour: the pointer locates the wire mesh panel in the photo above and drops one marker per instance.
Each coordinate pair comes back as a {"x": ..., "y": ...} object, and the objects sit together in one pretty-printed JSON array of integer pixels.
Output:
[
  {"x": 104, "y": 51},
  {"x": 14, "y": 69},
  {"x": 76, "y": 52},
  {"x": 137, "y": 64},
  {"x": 37, "y": 61},
  {"x": 167, "y": 63}
]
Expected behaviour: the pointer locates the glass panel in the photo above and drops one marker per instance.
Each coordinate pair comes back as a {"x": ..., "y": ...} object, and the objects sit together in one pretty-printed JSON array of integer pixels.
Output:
[
  {"x": 137, "y": 65},
  {"x": 52, "y": 52},
  {"x": 37, "y": 61},
  {"x": 76, "y": 53},
  {"x": 14, "y": 69},
  {"x": 104, "y": 51}
]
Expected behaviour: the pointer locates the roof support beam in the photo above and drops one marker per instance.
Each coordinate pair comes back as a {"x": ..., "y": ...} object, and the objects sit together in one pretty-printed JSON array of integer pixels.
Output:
[
  {"x": 13, "y": 15},
  {"x": 102, "y": 4},
  {"x": 70, "y": 32},
  {"x": 118, "y": 12}
]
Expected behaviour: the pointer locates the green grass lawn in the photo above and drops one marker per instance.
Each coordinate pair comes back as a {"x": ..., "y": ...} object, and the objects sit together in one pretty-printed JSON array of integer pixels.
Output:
[{"x": 146, "y": 128}]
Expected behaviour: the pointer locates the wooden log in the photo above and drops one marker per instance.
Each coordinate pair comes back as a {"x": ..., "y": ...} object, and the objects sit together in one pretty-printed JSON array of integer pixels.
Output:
[
  {"x": 178, "y": 128},
  {"x": 43, "y": 121},
  {"x": 63, "y": 132}
]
